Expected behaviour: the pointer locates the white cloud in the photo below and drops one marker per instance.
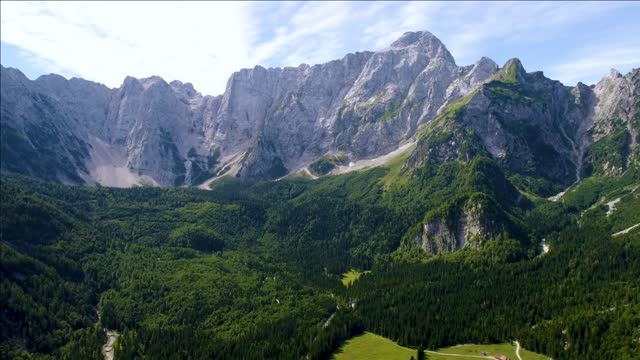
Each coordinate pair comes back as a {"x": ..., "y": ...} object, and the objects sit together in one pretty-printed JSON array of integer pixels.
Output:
[
  {"x": 589, "y": 66},
  {"x": 310, "y": 34},
  {"x": 201, "y": 42},
  {"x": 204, "y": 42},
  {"x": 467, "y": 28}
]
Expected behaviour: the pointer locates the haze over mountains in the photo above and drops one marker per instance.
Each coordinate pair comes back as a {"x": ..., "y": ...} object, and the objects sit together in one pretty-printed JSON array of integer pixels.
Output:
[{"x": 274, "y": 122}]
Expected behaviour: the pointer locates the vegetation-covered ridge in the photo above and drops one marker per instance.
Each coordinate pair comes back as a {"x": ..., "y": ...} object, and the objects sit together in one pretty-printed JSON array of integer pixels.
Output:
[
  {"x": 254, "y": 269},
  {"x": 543, "y": 135}
]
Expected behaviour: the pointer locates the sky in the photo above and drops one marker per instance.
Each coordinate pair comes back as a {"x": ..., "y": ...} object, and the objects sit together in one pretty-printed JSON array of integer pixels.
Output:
[{"x": 205, "y": 42}]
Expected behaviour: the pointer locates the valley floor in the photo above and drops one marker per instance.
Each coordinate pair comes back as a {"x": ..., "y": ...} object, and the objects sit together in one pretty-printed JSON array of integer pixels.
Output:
[{"x": 373, "y": 347}]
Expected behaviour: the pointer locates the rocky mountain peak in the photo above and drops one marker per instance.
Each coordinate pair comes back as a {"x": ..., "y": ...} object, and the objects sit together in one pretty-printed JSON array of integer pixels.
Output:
[
  {"x": 416, "y": 38},
  {"x": 483, "y": 69},
  {"x": 53, "y": 80},
  {"x": 153, "y": 81},
  {"x": 421, "y": 42},
  {"x": 485, "y": 62},
  {"x": 614, "y": 73},
  {"x": 270, "y": 122},
  {"x": 185, "y": 91},
  {"x": 512, "y": 72},
  {"x": 153, "y": 86},
  {"x": 130, "y": 82},
  {"x": 183, "y": 87},
  {"x": 13, "y": 76}
]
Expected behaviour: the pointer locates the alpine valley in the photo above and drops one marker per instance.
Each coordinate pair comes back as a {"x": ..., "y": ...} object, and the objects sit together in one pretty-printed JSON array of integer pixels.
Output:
[{"x": 459, "y": 204}]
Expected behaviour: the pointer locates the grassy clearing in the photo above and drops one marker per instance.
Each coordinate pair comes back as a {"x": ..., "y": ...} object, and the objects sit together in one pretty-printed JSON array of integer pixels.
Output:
[
  {"x": 374, "y": 347},
  {"x": 351, "y": 276}
]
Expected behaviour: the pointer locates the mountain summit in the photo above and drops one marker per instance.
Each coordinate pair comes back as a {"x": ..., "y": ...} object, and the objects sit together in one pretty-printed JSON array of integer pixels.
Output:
[{"x": 268, "y": 123}]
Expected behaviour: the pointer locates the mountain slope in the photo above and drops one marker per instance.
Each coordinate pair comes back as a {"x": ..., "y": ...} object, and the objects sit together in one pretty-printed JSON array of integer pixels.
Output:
[
  {"x": 539, "y": 131},
  {"x": 38, "y": 137},
  {"x": 204, "y": 273},
  {"x": 272, "y": 122},
  {"x": 148, "y": 131},
  {"x": 616, "y": 125}
]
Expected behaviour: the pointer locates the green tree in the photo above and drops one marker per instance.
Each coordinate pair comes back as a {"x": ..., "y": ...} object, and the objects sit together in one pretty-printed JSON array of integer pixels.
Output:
[{"x": 196, "y": 237}]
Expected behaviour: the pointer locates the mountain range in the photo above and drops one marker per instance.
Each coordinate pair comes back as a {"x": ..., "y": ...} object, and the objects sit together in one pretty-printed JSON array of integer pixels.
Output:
[
  {"x": 391, "y": 192},
  {"x": 312, "y": 120}
]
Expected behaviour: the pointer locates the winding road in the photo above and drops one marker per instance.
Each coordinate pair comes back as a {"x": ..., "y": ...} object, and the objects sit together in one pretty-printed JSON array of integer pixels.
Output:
[
  {"x": 625, "y": 230},
  {"x": 107, "y": 348},
  {"x": 459, "y": 355},
  {"x": 475, "y": 356}
]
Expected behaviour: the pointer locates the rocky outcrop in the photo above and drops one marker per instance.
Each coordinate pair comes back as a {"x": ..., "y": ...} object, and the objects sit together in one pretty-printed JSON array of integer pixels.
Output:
[
  {"x": 39, "y": 136},
  {"x": 536, "y": 127},
  {"x": 615, "y": 131},
  {"x": 466, "y": 223},
  {"x": 146, "y": 131},
  {"x": 437, "y": 237}
]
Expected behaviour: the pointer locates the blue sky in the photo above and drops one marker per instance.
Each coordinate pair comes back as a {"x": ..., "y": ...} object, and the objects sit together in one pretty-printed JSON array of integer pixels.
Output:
[{"x": 204, "y": 42}]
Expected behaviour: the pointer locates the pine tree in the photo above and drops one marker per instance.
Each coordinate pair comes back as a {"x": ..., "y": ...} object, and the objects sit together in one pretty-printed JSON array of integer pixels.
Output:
[{"x": 421, "y": 355}]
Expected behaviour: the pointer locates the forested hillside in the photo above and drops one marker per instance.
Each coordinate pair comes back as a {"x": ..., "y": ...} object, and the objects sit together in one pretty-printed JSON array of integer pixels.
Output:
[
  {"x": 394, "y": 201},
  {"x": 252, "y": 269}
]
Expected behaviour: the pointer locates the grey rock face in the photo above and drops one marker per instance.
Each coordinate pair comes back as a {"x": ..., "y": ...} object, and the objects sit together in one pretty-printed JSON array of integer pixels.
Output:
[
  {"x": 537, "y": 127},
  {"x": 39, "y": 137},
  {"x": 76, "y": 131},
  {"x": 270, "y": 122},
  {"x": 472, "y": 77},
  {"x": 436, "y": 237},
  {"x": 267, "y": 123},
  {"x": 615, "y": 124},
  {"x": 468, "y": 228},
  {"x": 522, "y": 124}
]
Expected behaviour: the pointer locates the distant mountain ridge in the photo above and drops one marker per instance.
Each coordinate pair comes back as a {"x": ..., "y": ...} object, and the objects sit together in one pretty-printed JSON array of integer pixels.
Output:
[{"x": 278, "y": 121}]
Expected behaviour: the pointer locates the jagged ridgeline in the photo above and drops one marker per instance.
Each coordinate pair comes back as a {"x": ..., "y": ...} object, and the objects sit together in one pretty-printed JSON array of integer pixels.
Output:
[
  {"x": 268, "y": 123},
  {"x": 544, "y": 135},
  {"x": 274, "y": 122},
  {"x": 430, "y": 179}
]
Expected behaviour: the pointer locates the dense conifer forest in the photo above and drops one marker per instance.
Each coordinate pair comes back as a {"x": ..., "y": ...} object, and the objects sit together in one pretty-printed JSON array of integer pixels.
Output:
[{"x": 252, "y": 270}]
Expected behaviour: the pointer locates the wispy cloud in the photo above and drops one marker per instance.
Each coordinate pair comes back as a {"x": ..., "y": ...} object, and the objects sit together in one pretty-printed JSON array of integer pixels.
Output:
[
  {"x": 469, "y": 29},
  {"x": 309, "y": 33},
  {"x": 590, "y": 65},
  {"x": 199, "y": 42},
  {"x": 204, "y": 42}
]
